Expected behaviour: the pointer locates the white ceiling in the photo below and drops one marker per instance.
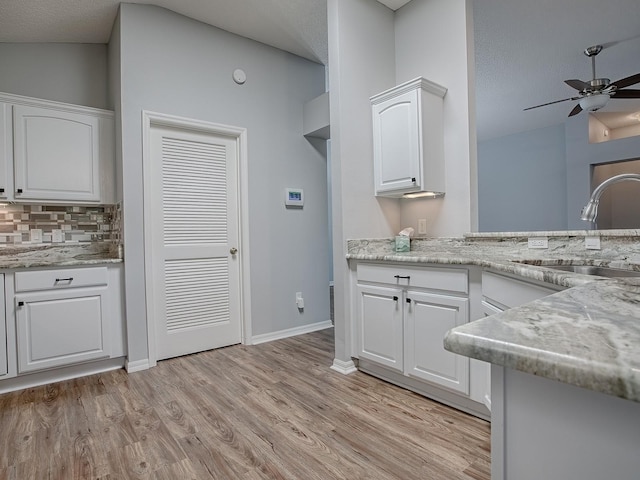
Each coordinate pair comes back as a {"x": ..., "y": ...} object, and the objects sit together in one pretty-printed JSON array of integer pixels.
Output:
[
  {"x": 524, "y": 49},
  {"x": 296, "y": 26}
]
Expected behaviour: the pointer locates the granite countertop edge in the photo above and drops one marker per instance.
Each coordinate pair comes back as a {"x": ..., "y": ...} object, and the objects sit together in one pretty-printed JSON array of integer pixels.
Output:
[
  {"x": 583, "y": 336},
  {"x": 533, "y": 272},
  {"x": 68, "y": 255}
]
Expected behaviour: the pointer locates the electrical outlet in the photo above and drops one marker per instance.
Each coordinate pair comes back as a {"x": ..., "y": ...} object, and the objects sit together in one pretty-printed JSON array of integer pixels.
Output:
[
  {"x": 422, "y": 226},
  {"x": 299, "y": 300},
  {"x": 538, "y": 242},
  {"x": 592, "y": 243}
]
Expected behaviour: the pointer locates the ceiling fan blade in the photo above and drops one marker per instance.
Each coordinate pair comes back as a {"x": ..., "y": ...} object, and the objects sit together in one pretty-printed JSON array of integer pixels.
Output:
[
  {"x": 576, "y": 110},
  {"x": 611, "y": 44},
  {"x": 625, "y": 82},
  {"x": 577, "y": 84},
  {"x": 630, "y": 93},
  {"x": 551, "y": 103}
]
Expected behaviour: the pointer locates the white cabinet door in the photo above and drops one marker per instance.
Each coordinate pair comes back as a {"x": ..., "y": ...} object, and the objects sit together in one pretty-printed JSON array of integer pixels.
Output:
[
  {"x": 396, "y": 134},
  {"x": 408, "y": 139},
  {"x": 3, "y": 331},
  {"x": 6, "y": 150},
  {"x": 56, "y": 154},
  {"x": 488, "y": 309},
  {"x": 58, "y": 328},
  {"x": 428, "y": 318},
  {"x": 380, "y": 325}
]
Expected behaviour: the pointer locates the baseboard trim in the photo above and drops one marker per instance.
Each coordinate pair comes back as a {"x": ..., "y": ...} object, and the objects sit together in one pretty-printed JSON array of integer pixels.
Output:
[
  {"x": 137, "y": 366},
  {"x": 290, "y": 332},
  {"x": 60, "y": 374},
  {"x": 343, "y": 367}
]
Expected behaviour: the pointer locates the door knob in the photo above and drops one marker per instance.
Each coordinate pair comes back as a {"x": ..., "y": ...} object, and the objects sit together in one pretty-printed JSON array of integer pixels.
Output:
[{"x": 233, "y": 250}]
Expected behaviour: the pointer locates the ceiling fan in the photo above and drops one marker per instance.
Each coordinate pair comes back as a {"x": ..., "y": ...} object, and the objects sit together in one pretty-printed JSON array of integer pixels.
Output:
[{"x": 595, "y": 93}]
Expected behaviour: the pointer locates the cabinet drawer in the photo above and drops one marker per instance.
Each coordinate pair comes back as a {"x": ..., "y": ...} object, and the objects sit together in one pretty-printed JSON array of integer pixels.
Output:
[
  {"x": 509, "y": 292},
  {"x": 61, "y": 278},
  {"x": 448, "y": 279}
]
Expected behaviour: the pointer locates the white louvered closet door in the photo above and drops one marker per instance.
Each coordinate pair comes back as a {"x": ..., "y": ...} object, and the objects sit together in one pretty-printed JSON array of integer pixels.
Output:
[{"x": 195, "y": 230}]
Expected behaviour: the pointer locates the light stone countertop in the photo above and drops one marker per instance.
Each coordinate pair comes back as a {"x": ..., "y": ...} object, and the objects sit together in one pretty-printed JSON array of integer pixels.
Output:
[
  {"x": 63, "y": 255},
  {"x": 587, "y": 335}
]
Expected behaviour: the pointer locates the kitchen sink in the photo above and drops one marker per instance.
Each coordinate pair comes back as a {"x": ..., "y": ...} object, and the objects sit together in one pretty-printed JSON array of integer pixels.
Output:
[{"x": 594, "y": 270}]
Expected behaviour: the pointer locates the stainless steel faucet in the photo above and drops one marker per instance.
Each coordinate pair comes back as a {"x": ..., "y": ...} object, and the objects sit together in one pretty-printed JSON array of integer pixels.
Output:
[{"x": 590, "y": 210}]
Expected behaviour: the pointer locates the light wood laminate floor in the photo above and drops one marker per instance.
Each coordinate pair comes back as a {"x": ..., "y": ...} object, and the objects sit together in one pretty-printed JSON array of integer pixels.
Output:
[{"x": 271, "y": 411}]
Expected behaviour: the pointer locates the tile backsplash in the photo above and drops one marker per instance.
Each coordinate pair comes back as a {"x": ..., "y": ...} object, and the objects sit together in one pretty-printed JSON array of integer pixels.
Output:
[{"x": 77, "y": 224}]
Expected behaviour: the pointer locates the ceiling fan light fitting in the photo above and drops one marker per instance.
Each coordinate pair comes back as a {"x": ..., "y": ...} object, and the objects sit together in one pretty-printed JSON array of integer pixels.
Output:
[{"x": 592, "y": 103}]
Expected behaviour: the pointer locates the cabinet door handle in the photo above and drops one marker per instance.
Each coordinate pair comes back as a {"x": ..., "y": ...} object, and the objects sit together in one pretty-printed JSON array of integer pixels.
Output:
[
  {"x": 413, "y": 179},
  {"x": 21, "y": 304},
  {"x": 408, "y": 300},
  {"x": 400, "y": 276},
  {"x": 395, "y": 299},
  {"x": 1, "y": 190},
  {"x": 70, "y": 279},
  {"x": 19, "y": 190}
]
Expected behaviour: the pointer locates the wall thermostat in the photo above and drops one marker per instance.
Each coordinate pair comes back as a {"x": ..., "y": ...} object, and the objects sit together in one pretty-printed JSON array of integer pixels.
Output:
[{"x": 293, "y": 197}]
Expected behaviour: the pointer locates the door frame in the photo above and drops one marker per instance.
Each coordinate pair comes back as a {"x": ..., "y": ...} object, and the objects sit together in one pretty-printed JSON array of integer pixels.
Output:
[{"x": 154, "y": 119}]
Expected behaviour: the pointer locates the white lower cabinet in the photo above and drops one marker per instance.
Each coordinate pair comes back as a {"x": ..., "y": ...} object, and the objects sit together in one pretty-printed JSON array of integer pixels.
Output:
[
  {"x": 61, "y": 322},
  {"x": 488, "y": 309},
  {"x": 3, "y": 331},
  {"x": 501, "y": 292},
  {"x": 403, "y": 314},
  {"x": 429, "y": 317},
  {"x": 380, "y": 323},
  {"x": 61, "y": 328}
]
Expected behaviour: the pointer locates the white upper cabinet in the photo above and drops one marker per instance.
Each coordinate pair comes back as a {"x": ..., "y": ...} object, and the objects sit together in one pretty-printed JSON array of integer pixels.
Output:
[
  {"x": 59, "y": 153},
  {"x": 56, "y": 155},
  {"x": 6, "y": 149},
  {"x": 408, "y": 139}
]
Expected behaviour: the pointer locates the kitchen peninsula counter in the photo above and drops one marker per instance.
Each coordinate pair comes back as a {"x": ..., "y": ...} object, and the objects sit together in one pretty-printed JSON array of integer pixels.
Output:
[
  {"x": 587, "y": 335},
  {"x": 565, "y": 368}
]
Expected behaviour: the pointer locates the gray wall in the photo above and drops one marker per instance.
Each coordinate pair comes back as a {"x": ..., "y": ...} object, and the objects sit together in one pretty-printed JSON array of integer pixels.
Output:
[
  {"x": 64, "y": 72},
  {"x": 445, "y": 25},
  {"x": 522, "y": 181},
  {"x": 115, "y": 97},
  {"x": 175, "y": 65}
]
